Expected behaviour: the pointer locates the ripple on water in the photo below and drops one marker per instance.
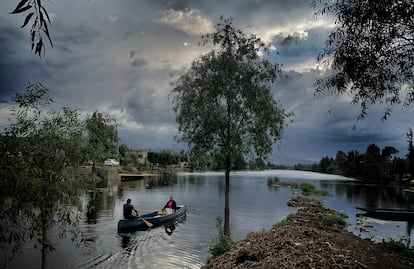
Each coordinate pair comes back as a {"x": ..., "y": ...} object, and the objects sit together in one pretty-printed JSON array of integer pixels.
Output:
[{"x": 153, "y": 248}]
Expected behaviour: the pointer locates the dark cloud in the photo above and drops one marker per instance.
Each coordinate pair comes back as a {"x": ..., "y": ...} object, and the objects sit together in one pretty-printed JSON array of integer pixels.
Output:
[
  {"x": 145, "y": 106},
  {"x": 18, "y": 65},
  {"x": 138, "y": 62},
  {"x": 148, "y": 140},
  {"x": 290, "y": 40},
  {"x": 324, "y": 125},
  {"x": 297, "y": 50},
  {"x": 174, "y": 4},
  {"x": 118, "y": 57},
  {"x": 10, "y": 70},
  {"x": 74, "y": 36}
]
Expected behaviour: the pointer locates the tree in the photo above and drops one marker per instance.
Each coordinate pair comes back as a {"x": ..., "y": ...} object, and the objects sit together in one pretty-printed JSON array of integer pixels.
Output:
[
  {"x": 257, "y": 164},
  {"x": 353, "y": 166},
  {"x": 373, "y": 170},
  {"x": 373, "y": 151},
  {"x": 370, "y": 52},
  {"x": 387, "y": 152},
  {"x": 37, "y": 14},
  {"x": 399, "y": 168},
  {"x": 223, "y": 102},
  {"x": 101, "y": 136},
  {"x": 38, "y": 153},
  {"x": 324, "y": 164}
]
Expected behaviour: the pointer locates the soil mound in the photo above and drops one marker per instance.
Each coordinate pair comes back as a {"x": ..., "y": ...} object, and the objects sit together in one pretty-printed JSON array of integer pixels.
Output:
[{"x": 314, "y": 237}]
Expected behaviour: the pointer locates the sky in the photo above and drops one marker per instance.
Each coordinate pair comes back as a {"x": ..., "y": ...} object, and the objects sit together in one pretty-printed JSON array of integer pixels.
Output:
[{"x": 120, "y": 58}]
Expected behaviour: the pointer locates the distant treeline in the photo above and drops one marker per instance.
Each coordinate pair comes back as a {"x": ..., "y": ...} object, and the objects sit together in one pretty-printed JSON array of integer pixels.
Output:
[{"x": 375, "y": 165}]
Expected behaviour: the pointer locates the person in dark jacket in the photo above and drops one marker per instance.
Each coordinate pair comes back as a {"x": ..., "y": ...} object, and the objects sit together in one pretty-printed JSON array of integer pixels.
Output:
[
  {"x": 128, "y": 208},
  {"x": 171, "y": 205}
]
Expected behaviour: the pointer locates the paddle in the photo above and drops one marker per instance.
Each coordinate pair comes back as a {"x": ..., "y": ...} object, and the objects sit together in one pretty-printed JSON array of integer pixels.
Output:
[{"x": 149, "y": 224}]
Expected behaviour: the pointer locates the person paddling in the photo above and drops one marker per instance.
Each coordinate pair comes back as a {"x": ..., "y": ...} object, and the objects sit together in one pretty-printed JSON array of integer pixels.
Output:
[
  {"x": 128, "y": 208},
  {"x": 171, "y": 205}
]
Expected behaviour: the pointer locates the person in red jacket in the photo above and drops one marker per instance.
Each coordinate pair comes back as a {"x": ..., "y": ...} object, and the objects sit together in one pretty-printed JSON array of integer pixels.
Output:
[{"x": 171, "y": 205}]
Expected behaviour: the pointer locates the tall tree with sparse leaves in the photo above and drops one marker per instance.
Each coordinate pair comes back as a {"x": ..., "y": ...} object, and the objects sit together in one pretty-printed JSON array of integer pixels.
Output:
[
  {"x": 223, "y": 102},
  {"x": 370, "y": 52}
]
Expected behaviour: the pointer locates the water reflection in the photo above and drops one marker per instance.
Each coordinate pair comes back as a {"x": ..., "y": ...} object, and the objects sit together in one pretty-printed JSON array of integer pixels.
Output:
[
  {"x": 163, "y": 179},
  {"x": 92, "y": 207},
  {"x": 370, "y": 195},
  {"x": 125, "y": 240},
  {"x": 184, "y": 244},
  {"x": 169, "y": 228}
]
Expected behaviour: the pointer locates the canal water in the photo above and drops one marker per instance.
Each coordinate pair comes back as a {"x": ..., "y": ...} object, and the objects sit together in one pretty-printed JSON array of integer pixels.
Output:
[{"x": 254, "y": 206}]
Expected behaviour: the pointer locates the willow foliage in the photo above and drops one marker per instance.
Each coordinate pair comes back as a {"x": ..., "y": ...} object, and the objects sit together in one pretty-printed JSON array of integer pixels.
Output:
[
  {"x": 370, "y": 52},
  {"x": 38, "y": 154}
]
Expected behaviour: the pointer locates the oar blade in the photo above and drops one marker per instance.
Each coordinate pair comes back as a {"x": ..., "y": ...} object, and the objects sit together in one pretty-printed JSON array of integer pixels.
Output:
[{"x": 149, "y": 224}]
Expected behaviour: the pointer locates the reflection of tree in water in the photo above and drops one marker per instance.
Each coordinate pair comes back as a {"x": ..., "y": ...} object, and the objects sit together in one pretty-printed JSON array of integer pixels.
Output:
[
  {"x": 120, "y": 191},
  {"x": 196, "y": 180},
  {"x": 98, "y": 200},
  {"x": 93, "y": 207},
  {"x": 163, "y": 179},
  {"x": 372, "y": 195}
]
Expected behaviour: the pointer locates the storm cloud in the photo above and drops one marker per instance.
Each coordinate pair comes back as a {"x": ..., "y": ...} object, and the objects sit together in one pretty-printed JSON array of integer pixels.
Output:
[{"x": 121, "y": 57}]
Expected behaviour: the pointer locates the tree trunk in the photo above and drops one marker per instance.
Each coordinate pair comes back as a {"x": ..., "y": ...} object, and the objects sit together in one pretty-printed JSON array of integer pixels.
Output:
[{"x": 227, "y": 198}]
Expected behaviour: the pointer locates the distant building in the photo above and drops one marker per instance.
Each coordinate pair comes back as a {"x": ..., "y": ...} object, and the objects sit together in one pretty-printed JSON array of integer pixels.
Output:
[
  {"x": 183, "y": 165},
  {"x": 142, "y": 155}
]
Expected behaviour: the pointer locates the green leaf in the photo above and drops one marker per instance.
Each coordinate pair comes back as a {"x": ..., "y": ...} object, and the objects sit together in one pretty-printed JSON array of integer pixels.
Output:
[
  {"x": 19, "y": 6},
  {"x": 23, "y": 9},
  {"x": 46, "y": 30},
  {"x": 47, "y": 15},
  {"x": 28, "y": 17},
  {"x": 39, "y": 46}
]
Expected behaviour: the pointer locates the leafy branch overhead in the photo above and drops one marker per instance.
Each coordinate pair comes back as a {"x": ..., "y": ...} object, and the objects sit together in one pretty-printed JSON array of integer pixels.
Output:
[
  {"x": 39, "y": 18},
  {"x": 370, "y": 52}
]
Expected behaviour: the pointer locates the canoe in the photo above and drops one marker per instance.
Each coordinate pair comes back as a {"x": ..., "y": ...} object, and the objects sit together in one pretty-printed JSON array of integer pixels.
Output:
[
  {"x": 153, "y": 217},
  {"x": 396, "y": 214}
]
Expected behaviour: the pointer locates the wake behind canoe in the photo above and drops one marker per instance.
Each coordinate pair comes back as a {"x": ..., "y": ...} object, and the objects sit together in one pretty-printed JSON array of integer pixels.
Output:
[{"x": 154, "y": 218}]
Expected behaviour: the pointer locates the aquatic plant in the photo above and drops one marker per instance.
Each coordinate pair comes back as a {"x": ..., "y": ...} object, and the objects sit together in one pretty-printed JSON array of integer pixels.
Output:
[
  {"x": 309, "y": 189},
  {"x": 272, "y": 180}
]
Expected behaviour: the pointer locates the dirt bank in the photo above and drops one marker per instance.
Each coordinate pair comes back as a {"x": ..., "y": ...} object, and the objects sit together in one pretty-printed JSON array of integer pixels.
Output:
[{"x": 311, "y": 238}]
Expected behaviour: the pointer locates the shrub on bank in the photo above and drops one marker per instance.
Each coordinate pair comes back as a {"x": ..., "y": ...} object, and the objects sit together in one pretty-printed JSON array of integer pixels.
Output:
[{"x": 222, "y": 244}]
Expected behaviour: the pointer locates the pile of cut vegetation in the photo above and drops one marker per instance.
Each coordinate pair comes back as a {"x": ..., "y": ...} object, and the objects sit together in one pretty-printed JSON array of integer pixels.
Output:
[{"x": 314, "y": 237}]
